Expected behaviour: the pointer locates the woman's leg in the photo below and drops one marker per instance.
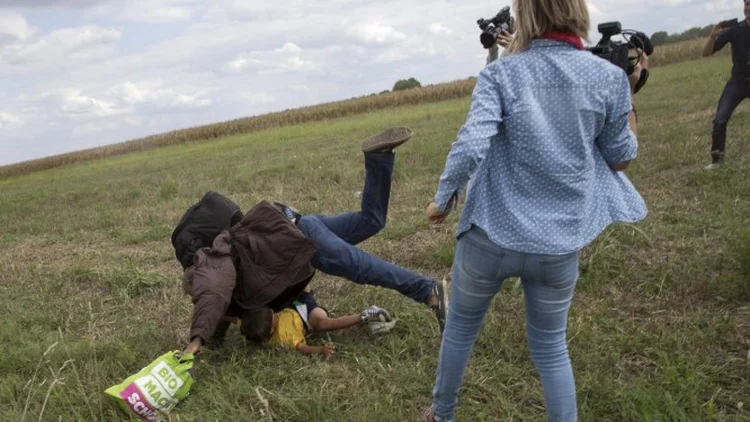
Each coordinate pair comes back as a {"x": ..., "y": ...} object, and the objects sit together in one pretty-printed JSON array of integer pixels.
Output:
[
  {"x": 548, "y": 284},
  {"x": 479, "y": 269}
]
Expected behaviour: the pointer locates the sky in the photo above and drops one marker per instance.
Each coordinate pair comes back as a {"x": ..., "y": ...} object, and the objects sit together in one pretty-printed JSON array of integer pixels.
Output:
[{"x": 76, "y": 74}]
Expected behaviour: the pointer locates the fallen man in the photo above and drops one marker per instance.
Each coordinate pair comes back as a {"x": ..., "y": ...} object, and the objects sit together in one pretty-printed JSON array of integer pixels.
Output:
[{"x": 269, "y": 256}]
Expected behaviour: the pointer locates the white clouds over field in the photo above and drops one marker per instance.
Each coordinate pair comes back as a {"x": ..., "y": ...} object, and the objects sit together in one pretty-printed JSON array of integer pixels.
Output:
[{"x": 81, "y": 73}]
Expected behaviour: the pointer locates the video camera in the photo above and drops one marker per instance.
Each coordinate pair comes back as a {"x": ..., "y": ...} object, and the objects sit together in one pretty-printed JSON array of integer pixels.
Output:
[
  {"x": 494, "y": 26},
  {"x": 618, "y": 52}
]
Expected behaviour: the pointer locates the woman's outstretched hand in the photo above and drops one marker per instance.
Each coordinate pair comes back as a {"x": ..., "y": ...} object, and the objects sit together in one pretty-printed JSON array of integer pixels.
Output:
[{"x": 434, "y": 215}]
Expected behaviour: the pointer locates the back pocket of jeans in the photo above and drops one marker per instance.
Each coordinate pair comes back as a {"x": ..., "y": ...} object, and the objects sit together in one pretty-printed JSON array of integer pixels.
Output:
[
  {"x": 478, "y": 262},
  {"x": 560, "y": 271}
]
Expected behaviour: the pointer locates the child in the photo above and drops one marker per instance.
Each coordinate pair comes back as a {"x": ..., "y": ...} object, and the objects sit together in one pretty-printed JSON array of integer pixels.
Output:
[{"x": 288, "y": 327}]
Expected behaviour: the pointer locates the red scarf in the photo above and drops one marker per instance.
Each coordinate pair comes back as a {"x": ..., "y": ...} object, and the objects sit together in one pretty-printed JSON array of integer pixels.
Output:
[{"x": 564, "y": 37}]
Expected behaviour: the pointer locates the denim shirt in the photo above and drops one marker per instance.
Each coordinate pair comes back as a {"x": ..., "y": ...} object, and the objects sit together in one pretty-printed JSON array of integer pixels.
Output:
[{"x": 543, "y": 128}]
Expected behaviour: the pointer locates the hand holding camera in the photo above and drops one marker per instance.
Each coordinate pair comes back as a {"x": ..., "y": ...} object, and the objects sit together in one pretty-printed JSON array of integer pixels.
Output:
[
  {"x": 504, "y": 38},
  {"x": 639, "y": 67},
  {"x": 728, "y": 23},
  {"x": 619, "y": 52},
  {"x": 497, "y": 29},
  {"x": 722, "y": 26}
]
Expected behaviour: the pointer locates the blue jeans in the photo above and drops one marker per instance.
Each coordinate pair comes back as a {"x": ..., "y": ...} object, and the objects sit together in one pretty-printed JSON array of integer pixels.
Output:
[
  {"x": 336, "y": 237},
  {"x": 734, "y": 92},
  {"x": 479, "y": 269}
]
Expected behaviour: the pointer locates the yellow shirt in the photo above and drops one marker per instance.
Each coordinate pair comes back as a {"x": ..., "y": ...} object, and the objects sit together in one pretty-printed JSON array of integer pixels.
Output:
[{"x": 290, "y": 329}]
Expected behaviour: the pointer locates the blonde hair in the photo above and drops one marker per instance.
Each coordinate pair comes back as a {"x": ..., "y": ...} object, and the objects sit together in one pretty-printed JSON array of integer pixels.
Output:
[{"x": 536, "y": 17}]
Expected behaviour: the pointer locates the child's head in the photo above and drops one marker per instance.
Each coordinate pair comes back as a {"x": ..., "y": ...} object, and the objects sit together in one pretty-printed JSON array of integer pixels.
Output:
[{"x": 258, "y": 325}]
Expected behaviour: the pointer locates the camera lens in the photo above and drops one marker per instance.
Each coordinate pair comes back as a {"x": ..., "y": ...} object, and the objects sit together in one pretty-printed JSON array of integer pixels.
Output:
[{"x": 488, "y": 39}]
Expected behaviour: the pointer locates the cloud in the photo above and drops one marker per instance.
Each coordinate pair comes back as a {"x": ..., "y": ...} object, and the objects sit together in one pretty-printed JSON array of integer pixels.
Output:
[
  {"x": 376, "y": 33},
  {"x": 49, "y": 3},
  {"x": 243, "y": 10},
  {"x": 256, "y": 62},
  {"x": 283, "y": 59},
  {"x": 189, "y": 101},
  {"x": 158, "y": 11},
  {"x": 289, "y": 48},
  {"x": 73, "y": 103},
  {"x": 720, "y": 5},
  {"x": 61, "y": 47},
  {"x": 244, "y": 60},
  {"x": 439, "y": 29},
  {"x": 13, "y": 27},
  {"x": 84, "y": 36},
  {"x": 300, "y": 87},
  {"x": 391, "y": 55},
  {"x": 9, "y": 119},
  {"x": 154, "y": 96},
  {"x": 92, "y": 128},
  {"x": 129, "y": 93},
  {"x": 594, "y": 11}
]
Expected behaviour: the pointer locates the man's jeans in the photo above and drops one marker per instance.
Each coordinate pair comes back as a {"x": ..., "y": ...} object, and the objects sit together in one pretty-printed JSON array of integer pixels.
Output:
[
  {"x": 335, "y": 237},
  {"x": 479, "y": 269},
  {"x": 735, "y": 91}
]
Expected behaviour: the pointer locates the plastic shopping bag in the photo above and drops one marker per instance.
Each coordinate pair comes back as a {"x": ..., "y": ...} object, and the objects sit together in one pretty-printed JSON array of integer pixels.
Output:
[{"x": 156, "y": 389}]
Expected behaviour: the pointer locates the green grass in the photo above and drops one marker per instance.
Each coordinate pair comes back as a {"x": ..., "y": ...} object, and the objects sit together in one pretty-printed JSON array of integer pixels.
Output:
[{"x": 659, "y": 331}]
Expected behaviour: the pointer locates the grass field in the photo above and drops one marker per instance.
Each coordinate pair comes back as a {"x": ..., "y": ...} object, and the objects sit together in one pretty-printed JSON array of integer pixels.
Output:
[{"x": 659, "y": 331}]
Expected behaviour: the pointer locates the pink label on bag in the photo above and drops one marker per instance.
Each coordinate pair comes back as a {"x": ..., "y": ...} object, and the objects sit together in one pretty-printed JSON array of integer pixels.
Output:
[{"x": 138, "y": 404}]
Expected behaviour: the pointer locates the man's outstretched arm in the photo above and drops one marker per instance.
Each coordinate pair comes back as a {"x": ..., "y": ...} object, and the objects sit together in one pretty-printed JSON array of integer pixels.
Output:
[{"x": 716, "y": 41}]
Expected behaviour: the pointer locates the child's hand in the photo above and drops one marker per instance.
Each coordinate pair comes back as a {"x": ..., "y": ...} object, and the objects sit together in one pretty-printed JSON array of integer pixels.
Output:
[{"x": 329, "y": 349}]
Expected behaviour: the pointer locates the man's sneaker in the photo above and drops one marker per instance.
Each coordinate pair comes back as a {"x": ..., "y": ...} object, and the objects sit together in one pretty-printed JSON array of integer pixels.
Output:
[
  {"x": 380, "y": 327},
  {"x": 714, "y": 166},
  {"x": 717, "y": 160},
  {"x": 289, "y": 212},
  {"x": 374, "y": 314},
  {"x": 441, "y": 308},
  {"x": 388, "y": 140}
]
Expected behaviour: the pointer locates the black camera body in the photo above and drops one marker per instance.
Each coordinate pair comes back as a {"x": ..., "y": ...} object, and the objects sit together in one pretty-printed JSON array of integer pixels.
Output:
[
  {"x": 494, "y": 26},
  {"x": 615, "y": 52},
  {"x": 618, "y": 52}
]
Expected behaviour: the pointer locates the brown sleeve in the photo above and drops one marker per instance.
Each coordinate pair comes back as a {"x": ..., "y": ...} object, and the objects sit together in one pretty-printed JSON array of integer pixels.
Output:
[
  {"x": 221, "y": 330},
  {"x": 213, "y": 284}
]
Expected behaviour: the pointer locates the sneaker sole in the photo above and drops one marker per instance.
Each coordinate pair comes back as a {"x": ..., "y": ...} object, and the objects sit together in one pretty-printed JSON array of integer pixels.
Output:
[{"x": 391, "y": 138}]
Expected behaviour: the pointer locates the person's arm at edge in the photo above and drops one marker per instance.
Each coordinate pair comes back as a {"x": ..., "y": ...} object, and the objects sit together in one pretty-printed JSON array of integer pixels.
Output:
[
  {"x": 633, "y": 115},
  {"x": 711, "y": 45}
]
